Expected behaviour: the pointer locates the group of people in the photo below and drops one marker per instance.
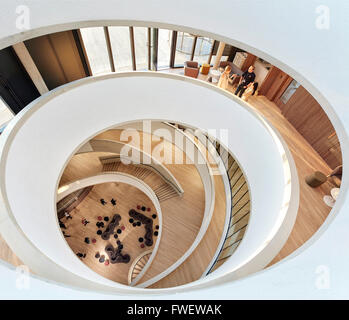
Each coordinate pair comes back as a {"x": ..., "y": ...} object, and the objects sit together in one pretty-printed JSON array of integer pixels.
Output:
[
  {"x": 247, "y": 80},
  {"x": 63, "y": 226},
  {"x": 103, "y": 202}
]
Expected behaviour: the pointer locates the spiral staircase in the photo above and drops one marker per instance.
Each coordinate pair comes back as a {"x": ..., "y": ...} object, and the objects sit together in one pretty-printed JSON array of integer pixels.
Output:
[{"x": 247, "y": 184}]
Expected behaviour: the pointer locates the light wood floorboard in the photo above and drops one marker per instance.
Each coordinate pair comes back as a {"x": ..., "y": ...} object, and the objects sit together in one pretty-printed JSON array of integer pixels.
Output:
[
  {"x": 196, "y": 264},
  {"x": 312, "y": 210}
]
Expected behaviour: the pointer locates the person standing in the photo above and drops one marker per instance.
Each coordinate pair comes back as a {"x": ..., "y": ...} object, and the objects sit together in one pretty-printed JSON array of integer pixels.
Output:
[
  {"x": 67, "y": 215},
  {"x": 84, "y": 221},
  {"x": 224, "y": 78},
  {"x": 62, "y": 225},
  {"x": 247, "y": 78}
]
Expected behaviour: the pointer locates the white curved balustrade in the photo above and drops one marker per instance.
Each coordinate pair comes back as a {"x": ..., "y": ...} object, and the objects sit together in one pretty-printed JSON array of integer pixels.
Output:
[
  {"x": 102, "y": 145},
  {"x": 302, "y": 51},
  {"x": 198, "y": 159},
  {"x": 265, "y": 216}
]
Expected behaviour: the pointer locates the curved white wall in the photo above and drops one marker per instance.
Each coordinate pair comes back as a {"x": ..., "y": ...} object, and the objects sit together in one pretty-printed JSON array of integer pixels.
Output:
[
  {"x": 302, "y": 50},
  {"x": 36, "y": 123}
]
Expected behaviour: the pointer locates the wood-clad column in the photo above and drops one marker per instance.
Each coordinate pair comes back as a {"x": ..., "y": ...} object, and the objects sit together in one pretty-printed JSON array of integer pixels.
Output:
[
  {"x": 29, "y": 65},
  {"x": 219, "y": 54}
]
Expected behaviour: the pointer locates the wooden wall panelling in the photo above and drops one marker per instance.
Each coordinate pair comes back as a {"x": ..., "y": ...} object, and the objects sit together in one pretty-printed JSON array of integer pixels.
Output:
[
  {"x": 276, "y": 86},
  {"x": 278, "y": 96},
  {"x": 57, "y": 58},
  {"x": 250, "y": 60},
  {"x": 45, "y": 58},
  {"x": 269, "y": 80},
  {"x": 68, "y": 55},
  {"x": 30, "y": 67},
  {"x": 305, "y": 114},
  {"x": 310, "y": 120}
]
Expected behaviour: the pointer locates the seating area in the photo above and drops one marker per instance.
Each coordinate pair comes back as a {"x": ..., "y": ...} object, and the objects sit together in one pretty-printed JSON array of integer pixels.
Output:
[
  {"x": 108, "y": 232},
  {"x": 207, "y": 72},
  {"x": 191, "y": 69}
]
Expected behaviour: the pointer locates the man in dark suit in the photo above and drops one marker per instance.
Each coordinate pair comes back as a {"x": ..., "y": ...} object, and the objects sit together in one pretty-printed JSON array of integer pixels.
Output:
[{"x": 246, "y": 78}]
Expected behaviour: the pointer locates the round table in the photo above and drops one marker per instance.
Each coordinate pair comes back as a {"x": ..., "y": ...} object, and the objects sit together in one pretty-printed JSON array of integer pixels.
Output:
[{"x": 335, "y": 193}]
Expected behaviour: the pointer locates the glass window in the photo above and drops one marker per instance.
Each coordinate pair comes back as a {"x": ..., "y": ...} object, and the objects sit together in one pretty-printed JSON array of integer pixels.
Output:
[
  {"x": 141, "y": 47},
  {"x": 96, "y": 48},
  {"x": 164, "y": 48},
  {"x": 202, "y": 49},
  {"x": 5, "y": 113},
  {"x": 184, "y": 47},
  {"x": 291, "y": 89},
  {"x": 121, "y": 47}
]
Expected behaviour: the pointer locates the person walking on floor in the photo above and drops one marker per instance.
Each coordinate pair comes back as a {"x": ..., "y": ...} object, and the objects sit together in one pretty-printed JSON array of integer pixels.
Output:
[
  {"x": 84, "y": 221},
  {"x": 67, "y": 215},
  {"x": 224, "y": 78},
  {"x": 62, "y": 225}
]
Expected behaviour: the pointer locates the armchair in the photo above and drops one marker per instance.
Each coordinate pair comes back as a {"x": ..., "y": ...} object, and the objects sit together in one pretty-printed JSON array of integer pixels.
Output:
[{"x": 191, "y": 69}]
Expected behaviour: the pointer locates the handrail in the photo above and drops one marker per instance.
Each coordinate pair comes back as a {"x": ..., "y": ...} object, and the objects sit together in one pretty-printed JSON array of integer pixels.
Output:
[
  {"x": 175, "y": 184},
  {"x": 209, "y": 207},
  {"x": 149, "y": 167},
  {"x": 220, "y": 256},
  {"x": 135, "y": 261},
  {"x": 217, "y": 153}
]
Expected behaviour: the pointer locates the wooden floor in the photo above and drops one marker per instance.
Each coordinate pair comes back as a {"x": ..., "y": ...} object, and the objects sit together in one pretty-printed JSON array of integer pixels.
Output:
[
  {"x": 6, "y": 254},
  {"x": 195, "y": 265},
  {"x": 127, "y": 197},
  {"x": 312, "y": 210},
  {"x": 181, "y": 216}
]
